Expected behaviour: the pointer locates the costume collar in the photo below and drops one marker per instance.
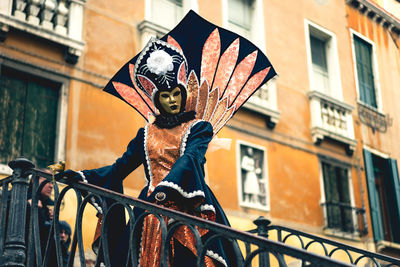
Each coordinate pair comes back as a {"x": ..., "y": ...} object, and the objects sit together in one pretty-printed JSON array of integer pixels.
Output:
[{"x": 170, "y": 121}]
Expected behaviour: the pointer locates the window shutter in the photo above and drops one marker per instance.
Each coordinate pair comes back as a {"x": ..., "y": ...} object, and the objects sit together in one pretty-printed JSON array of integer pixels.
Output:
[
  {"x": 374, "y": 204},
  {"x": 40, "y": 123},
  {"x": 365, "y": 73},
  {"x": 395, "y": 200},
  {"x": 12, "y": 109},
  {"x": 28, "y": 117}
]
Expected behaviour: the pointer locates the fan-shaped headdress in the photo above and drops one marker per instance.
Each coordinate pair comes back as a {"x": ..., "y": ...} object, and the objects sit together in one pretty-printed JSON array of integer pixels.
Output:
[
  {"x": 225, "y": 70},
  {"x": 160, "y": 66}
]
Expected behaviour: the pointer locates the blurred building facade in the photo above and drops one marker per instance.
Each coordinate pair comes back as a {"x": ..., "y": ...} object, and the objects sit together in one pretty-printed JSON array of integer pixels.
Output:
[{"x": 316, "y": 149}]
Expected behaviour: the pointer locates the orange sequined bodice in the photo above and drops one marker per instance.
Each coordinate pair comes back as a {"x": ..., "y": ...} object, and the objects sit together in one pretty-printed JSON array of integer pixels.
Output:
[{"x": 163, "y": 148}]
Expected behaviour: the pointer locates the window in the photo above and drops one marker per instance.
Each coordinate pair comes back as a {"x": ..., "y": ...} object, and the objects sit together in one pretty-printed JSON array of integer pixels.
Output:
[
  {"x": 252, "y": 171},
  {"x": 323, "y": 61},
  {"x": 365, "y": 74},
  {"x": 28, "y": 117},
  {"x": 166, "y": 13},
  {"x": 319, "y": 64},
  {"x": 239, "y": 17},
  {"x": 384, "y": 196},
  {"x": 246, "y": 18},
  {"x": 161, "y": 17},
  {"x": 338, "y": 208}
]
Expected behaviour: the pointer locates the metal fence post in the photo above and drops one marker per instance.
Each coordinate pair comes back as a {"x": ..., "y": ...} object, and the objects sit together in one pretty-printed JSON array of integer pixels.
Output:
[
  {"x": 14, "y": 249},
  {"x": 262, "y": 230}
]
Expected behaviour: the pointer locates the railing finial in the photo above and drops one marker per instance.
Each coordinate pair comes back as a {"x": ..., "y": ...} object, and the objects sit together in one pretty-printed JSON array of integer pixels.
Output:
[
  {"x": 21, "y": 164},
  {"x": 262, "y": 225},
  {"x": 14, "y": 249},
  {"x": 262, "y": 230}
]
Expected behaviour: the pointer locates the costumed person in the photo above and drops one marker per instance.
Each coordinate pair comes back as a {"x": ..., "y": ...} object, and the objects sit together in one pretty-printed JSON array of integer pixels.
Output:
[{"x": 187, "y": 85}]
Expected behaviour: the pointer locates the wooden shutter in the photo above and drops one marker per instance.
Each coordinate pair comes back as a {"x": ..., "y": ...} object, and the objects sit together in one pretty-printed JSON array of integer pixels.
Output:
[
  {"x": 394, "y": 200},
  {"x": 377, "y": 225},
  {"x": 12, "y": 110},
  {"x": 365, "y": 73},
  {"x": 28, "y": 118}
]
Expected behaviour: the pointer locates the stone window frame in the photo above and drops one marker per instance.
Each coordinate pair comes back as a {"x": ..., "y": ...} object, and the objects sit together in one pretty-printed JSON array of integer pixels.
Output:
[{"x": 332, "y": 57}]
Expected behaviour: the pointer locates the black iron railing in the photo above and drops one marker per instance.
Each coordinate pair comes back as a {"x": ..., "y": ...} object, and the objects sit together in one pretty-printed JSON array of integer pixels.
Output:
[
  {"x": 345, "y": 218},
  {"x": 20, "y": 245},
  {"x": 329, "y": 248}
]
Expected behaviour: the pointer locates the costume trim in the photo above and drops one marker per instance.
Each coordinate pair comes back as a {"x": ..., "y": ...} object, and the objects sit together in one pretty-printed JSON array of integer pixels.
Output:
[
  {"x": 207, "y": 207},
  {"x": 92, "y": 199},
  {"x": 82, "y": 176},
  {"x": 141, "y": 243},
  {"x": 186, "y": 136},
  {"x": 216, "y": 257},
  {"x": 146, "y": 153},
  {"x": 181, "y": 191}
]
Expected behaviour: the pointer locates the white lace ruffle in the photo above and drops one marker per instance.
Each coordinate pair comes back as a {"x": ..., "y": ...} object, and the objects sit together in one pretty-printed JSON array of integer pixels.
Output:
[
  {"x": 181, "y": 191},
  {"x": 92, "y": 199},
  {"x": 185, "y": 137},
  {"x": 207, "y": 207},
  {"x": 146, "y": 153},
  {"x": 141, "y": 243},
  {"x": 216, "y": 257},
  {"x": 82, "y": 176}
]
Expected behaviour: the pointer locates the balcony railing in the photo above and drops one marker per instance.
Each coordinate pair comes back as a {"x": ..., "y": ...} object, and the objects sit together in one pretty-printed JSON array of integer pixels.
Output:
[
  {"x": 373, "y": 118},
  {"x": 264, "y": 102},
  {"x": 330, "y": 248},
  {"x": 15, "y": 252},
  {"x": 331, "y": 118},
  {"x": 60, "y": 21},
  {"x": 345, "y": 219}
]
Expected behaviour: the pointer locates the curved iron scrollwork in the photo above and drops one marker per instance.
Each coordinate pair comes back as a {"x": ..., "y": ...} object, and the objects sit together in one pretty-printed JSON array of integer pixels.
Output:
[
  {"x": 256, "y": 241},
  {"x": 355, "y": 256},
  {"x": 374, "y": 119}
]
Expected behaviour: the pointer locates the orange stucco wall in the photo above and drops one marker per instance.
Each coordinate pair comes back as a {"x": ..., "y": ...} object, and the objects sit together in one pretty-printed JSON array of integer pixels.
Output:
[
  {"x": 387, "y": 63},
  {"x": 100, "y": 126}
]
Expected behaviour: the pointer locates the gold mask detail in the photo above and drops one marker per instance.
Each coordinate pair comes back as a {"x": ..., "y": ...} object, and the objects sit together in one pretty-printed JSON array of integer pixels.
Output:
[{"x": 171, "y": 101}]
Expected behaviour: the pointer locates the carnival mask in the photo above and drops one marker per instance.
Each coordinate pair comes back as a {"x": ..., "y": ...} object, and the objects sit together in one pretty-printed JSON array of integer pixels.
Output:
[{"x": 170, "y": 101}]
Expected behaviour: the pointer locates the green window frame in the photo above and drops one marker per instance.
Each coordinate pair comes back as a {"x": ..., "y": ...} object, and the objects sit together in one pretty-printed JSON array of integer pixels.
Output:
[
  {"x": 385, "y": 218},
  {"x": 28, "y": 117},
  {"x": 365, "y": 73}
]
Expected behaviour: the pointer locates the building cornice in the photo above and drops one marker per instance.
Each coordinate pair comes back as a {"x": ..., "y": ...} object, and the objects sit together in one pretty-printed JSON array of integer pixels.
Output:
[{"x": 377, "y": 14}]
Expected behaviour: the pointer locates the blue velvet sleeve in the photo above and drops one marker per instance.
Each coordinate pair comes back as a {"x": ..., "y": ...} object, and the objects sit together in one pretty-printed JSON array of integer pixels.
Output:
[
  {"x": 111, "y": 176},
  {"x": 186, "y": 178}
]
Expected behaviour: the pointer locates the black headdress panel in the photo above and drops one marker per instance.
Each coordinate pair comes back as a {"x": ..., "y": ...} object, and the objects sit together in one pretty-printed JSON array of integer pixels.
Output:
[{"x": 201, "y": 52}]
